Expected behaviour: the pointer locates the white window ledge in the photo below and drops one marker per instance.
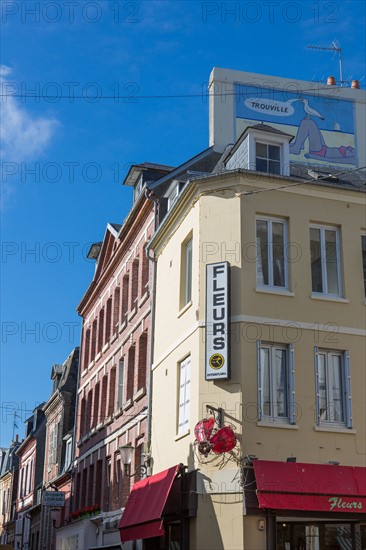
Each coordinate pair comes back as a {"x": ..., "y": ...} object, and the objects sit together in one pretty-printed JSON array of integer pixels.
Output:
[
  {"x": 127, "y": 405},
  {"x": 113, "y": 338},
  {"x": 132, "y": 313},
  {"x": 143, "y": 299},
  {"x": 274, "y": 290},
  {"x": 269, "y": 424},
  {"x": 123, "y": 325},
  {"x": 90, "y": 366},
  {"x": 108, "y": 420},
  {"x": 140, "y": 393},
  {"x": 329, "y": 298},
  {"x": 117, "y": 413},
  {"x": 105, "y": 347},
  {"x": 185, "y": 308},
  {"x": 180, "y": 436},
  {"x": 334, "y": 429}
]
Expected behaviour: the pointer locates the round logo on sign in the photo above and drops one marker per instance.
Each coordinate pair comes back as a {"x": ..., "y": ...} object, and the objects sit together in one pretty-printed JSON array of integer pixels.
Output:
[{"x": 216, "y": 361}]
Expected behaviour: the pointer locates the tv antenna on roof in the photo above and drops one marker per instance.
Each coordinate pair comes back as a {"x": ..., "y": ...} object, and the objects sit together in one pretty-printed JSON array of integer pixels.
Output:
[{"x": 336, "y": 48}]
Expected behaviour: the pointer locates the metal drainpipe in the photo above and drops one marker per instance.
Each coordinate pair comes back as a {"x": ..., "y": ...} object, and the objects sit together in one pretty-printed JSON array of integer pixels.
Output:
[{"x": 149, "y": 196}]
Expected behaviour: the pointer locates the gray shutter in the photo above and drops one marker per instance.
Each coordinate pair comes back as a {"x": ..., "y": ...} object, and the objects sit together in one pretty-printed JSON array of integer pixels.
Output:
[
  {"x": 348, "y": 394},
  {"x": 291, "y": 384},
  {"x": 259, "y": 370},
  {"x": 317, "y": 403}
]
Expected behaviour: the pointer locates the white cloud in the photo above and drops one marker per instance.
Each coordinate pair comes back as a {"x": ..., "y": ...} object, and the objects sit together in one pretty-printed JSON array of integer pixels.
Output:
[{"x": 24, "y": 135}]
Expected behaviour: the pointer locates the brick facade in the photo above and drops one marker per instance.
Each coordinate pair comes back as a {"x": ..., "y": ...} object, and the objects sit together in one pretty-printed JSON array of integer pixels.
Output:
[{"x": 112, "y": 393}]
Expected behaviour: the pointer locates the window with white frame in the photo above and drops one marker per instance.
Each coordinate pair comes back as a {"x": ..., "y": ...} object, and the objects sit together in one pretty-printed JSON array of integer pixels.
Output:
[
  {"x": 108, "y": 465},
  {"x": 184, "y": 394},
  {"x": 271, "y": 238},
  {"x": 68, "y": 453},
  {"x": 363, "y": 246},
  {"x": 333, "y": 388},
  {"x": 121, "y": 376},
  {"x": 276, "y": 382},
  {"x": 52, "y": 442},
  {"x": 268, "y": 158},
  {"x": 325, "y": 260},
  {"x": 173, "y": 195},
  {"x": 138, "y": 188},
  {"x": 186, "y": 273}
]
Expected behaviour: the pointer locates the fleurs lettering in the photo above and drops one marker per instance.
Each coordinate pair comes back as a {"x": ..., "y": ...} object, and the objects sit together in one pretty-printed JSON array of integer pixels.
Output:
[{"x": 339, "y": 503}]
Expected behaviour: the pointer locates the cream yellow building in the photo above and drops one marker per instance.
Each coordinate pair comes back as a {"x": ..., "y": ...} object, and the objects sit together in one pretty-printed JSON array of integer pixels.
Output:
[
  {"x": 289, "y": 330},
  {"x": 218, "y": 215}
]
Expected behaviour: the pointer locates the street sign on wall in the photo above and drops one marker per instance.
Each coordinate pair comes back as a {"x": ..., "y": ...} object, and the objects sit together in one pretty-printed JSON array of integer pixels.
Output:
[
  {"x": 53, "y": 498},
  {"x": 217, "y": 321}
]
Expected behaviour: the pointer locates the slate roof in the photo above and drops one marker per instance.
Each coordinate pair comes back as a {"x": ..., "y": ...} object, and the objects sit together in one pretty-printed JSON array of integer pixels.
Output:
[
  {"x": 116, "y": 226},
  {"x": 318, "y": 174},
  {"x": 203, "y": 162}
]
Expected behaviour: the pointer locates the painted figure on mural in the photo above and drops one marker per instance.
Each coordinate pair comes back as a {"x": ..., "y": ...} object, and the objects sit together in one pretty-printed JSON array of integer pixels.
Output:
[{"x": 318, "y": 149}]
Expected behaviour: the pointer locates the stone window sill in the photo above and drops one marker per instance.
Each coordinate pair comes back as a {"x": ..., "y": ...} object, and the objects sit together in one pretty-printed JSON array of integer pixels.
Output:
[
  {"x": 276, "y": 291},
  {"x": 329, "y": 298},
  {"x": 269, "y": 424},
  {"x": 334, "y": 429},
  {"x": 185, "y": 308},
  {"x": 180, "y": 436},
  {"x": 132, "y": 313},
  {"x": 123, "y": 325},
  {"x": 127, "y": 405},
  {"x": 140, "y": 393},
  {"x": 144, "y": 297},
  {"x": 105, "y": 347}
]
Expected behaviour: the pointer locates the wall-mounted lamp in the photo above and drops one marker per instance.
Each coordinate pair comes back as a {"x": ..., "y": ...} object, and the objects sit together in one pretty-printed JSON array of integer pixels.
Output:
[
  {"x": 126, "y": 452},
  {"x": 334, "y": 462},
  {"x": 54, "y": 514},
  {"x": 291, "y": 459}
]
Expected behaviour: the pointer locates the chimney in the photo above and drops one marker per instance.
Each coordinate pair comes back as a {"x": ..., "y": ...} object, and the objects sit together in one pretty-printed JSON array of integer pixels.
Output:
[
  {"x": 331, "y": 81},
  {"x": 355, "y": 84}
]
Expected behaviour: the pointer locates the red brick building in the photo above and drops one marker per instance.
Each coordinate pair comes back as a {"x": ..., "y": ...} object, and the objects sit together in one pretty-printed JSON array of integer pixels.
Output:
[
  {"x": 113, "y": 382},
  {"x": 30, "y": 478},
  {"x": 8, "y": 491},
  {"x": 59, "y": 446}
]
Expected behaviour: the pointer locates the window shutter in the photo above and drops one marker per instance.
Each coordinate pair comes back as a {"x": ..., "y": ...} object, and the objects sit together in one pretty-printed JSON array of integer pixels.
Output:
[
  {"x": 348, "y": 394},
  {"x": 259, "y": 367},
  {"x": 184, "y": 395},
  {"x": 187, "y": 393},
  {"x": 291, "y": 384},
  {"x": 317, "y": 402},
  {"x": 182, "y": 372}
]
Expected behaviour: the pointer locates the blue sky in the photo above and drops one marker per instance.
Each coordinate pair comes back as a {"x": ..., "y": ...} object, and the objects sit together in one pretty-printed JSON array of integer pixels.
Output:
[{"x": 64, "y": 158}]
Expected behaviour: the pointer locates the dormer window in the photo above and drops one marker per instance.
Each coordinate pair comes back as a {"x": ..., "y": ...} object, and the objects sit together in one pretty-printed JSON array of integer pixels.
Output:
[
  {"x": 262, "y": 148},
  {"x": 138, "y": 188},
  {"x": 268, "y": 158},
  {"x": 173, "y": 195}
]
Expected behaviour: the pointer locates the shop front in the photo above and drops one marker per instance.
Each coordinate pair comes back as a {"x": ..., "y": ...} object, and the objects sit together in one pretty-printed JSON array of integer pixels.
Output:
[
  {"x": 308, "y": 506},
  {"x": 159, "y": 509}
]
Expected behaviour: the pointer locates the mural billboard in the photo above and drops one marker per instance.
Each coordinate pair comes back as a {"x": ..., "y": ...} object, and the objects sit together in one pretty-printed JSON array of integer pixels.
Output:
[{"x": 323, "y": 127}]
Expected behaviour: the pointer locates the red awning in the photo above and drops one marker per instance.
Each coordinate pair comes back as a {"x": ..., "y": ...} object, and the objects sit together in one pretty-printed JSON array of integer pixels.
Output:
[
  {"x": 142, "y": 517},
  {"x": 317, "y": 487}
]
